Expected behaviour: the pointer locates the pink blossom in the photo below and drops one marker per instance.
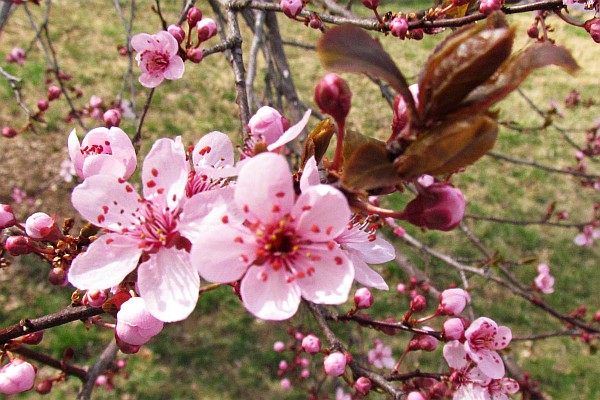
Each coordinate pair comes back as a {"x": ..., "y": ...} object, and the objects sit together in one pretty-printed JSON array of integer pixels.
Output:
[
  {"x": 282, "y": 249},
  {"x": 544, "y": 281},
  {"x": 157, "y": 57},
  {"x": 399, "y": 27},
  {"x": 103, "y": 151},
  {"x": 498, "y": 389},
  {"x": 380, "y": 356},
  {"x": 466, "y": 378},
  {"x": 67, "y": 170},
  {"x": 213, "y": 158},
  {"x": 341, "y": 395},
  {"x": 363, "y": 298},
  {"x": 484, "y": 337},
  {"x": 16, "y": 55},
  {"x": 285, "y": 384},
  {"x": 363, "y": 385},
  {"x": 156, "y": 226},
  {"x": 335, "y": 364},
  {"x": 17, "y": 376},
  {"x": 135, "y": 325},
  {"x": 587, "y": 237},
  {"x": 453, "y": 301}
]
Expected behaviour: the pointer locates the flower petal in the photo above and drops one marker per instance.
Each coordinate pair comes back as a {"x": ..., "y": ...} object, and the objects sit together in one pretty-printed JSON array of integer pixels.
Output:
[
  {"x": 106, "y": 201},
  {"x": 455, "y": 355},
  {"x": 269, "y": 296},
  {"x": 375, "y": 251},
  {"x": 310, "y": 175},
  {"x": 165, "y": 172},
  {"x": 291, "y": 133},
  {"x": 103, "y": 164},
  {"x": 169, "y": 285},
  {"x": 166, "y": 42},
  {"x": 264, "y": 188},
  {"x": 151, "y": 81},
  {"x": 175, "y": 69},
  {"x": 213, "y": 150},
  {"x": 222, "y": 252},
  {"x": 490, "y": 363},
  {"x": 107, "y": 261},
  {"x": 364, "y": 274},
  {"x": 142, "y": 42},
  {"x": 327, "y": 280},
  {"x": 502, "y": 338},
  {"x": 75, "y": 153},
  {"x": 123, "y": 150},
  {"x": 321, "y": 213}
]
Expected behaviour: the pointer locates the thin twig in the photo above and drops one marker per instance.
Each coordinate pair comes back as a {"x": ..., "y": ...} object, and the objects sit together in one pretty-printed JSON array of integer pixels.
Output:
[
  {"x": 52, "y": 362},
  {"x": 537, "y": 165},
  {"x": 137, "y": 139},
  {"x": 104, "y": 361}
]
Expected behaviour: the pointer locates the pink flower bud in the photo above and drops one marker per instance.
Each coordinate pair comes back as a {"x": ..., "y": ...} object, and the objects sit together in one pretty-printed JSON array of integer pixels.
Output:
[
  {"x": 9, "y": 132},
  {"x": 593, "y": 28},
  {"x": 363, "y": 385},
  {"x": 96, "y": 101},
  {"x": 57, "y": 276},
  {"x": 415, "y": 396},
  {"x": 279, "y": 346},
  {"x": 422, "y": 341},
  {"x": 53, "y": 93},
  {"x": 303, "y": 362},
  {"x": 311, "y": 344},
  {"x": 17, "y": 376},
  {"x": 533, "y": 31},
  {"x": 544, "y": 282},
  {"x": 7, "y": 217},
  {"x": 285, "y": 383},
  {"x": 363, "y": 298},
  {"x": 193, "y": 16},
  {"x": 401, "y": 110},
  {"x": 126, "y": 348},
  {"x": 16, "y": 55},
  {"x": 44, "y": 387},
  {"x": 488, "y": 6},
  {"x": 597, "y": 316},
  {"x": 315, "y": 22},
  {"x": 370, "y": 4},
  {"x": 19, "y": 245},
  {"x": 335, "y": 364},
  {"x": 95, "y": 298},
  {"x": 33, "y": 338},
  {"x": 41, "y": 226},
  {"x": 194, "y": 55},
  {"x": 298, "y": 336},
  {"x": 304, "y": 374},
  {"x": 267, "y": 123},
  {"x": 177, "y": 32},
  {"x": 112, "y": 118},
  {"x": 401, "y": 288},
  {"x": 135, "y": 325},
  {"x": 207, "y": 28},
  {"x": 418, "y": 304},
  {"x": 43, "y": 105},
  {"x": 283, "y": 365},
  {"x": 453, "y": 301},
  {"x": 453, "y": 329},
  {"x": 291, "y": 8},
  {"x": 438, "y": 206},
  {"x": 399, "y": 27},
  {"x": 333, "y": 96}
]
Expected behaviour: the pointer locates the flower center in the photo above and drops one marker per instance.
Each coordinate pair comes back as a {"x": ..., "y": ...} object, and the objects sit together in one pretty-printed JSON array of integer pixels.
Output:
[
  {"x": 93, "y": 149},
  {"x": 156, "y": 227}
]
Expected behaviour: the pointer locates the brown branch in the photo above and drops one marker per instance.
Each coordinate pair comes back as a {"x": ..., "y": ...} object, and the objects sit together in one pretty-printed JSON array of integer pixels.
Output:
[
  {"x": 52, "y": 362},
  {"x": 546, "y": 335},
  {"x": 233, "y": 34},
  {"x": 104, "y": 361},
  {"x": 62, "y": 317},
  {"x": 401, "y": 326},
  {"x": 320, "y": 316},
  {"x": 535, "y": 164},
  {"x": 137, "y": 139}
]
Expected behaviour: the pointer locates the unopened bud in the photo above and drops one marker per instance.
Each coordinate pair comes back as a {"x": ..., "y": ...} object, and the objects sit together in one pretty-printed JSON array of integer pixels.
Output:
[
  {"x": 399, "y": 27},
  {"x": 363, "y": 385},
  {"x": 593, "y": 28},
  {"x": 207, "y": 28},
  {"x": 422, "y": 341},
  {"x": 453, "y": 329},
  {"x": 112, "y": 118},
  {"x": 291, "y": 8},
  {"x": 194, "y": 55},
  {"x": 335, "y": 364},
  {"x": 439, "y": 206},
  {"x": 311, "y": 344},
  {"x": 453, "y": 301},
  {"x": 193, "y": 16},
  {"x": 279, "y": 346},
  {"x": 7, "y": 217},
  {"x": 363, "y": 298},
  {"x": 315, "y": 22},
  {"x": 57, "y": 277},
  {"x": 177, "y": 32},
  {"x": 333, "y": 96},
  {"x": 95, "y": 298},
  {"x": 33, "y": 338},
  {"x": 44, "y": 387},
  {"x": 418, "y": 304},
  {"x": 533, "y": 31},
  {"x": 19, "y": 245},
  {"x": 9, "y": 132},
  {"x": 488, "y": 6},
  {"x": 370, "y": 4},
  {"x": 43, "y": 105},
  {"x": 41, "y": 226},
  {"x": 53, "y": 93}
]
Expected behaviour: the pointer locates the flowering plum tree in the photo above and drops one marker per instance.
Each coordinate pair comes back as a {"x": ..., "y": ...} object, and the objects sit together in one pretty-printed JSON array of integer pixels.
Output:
[{"x": 301, "y": 207}]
